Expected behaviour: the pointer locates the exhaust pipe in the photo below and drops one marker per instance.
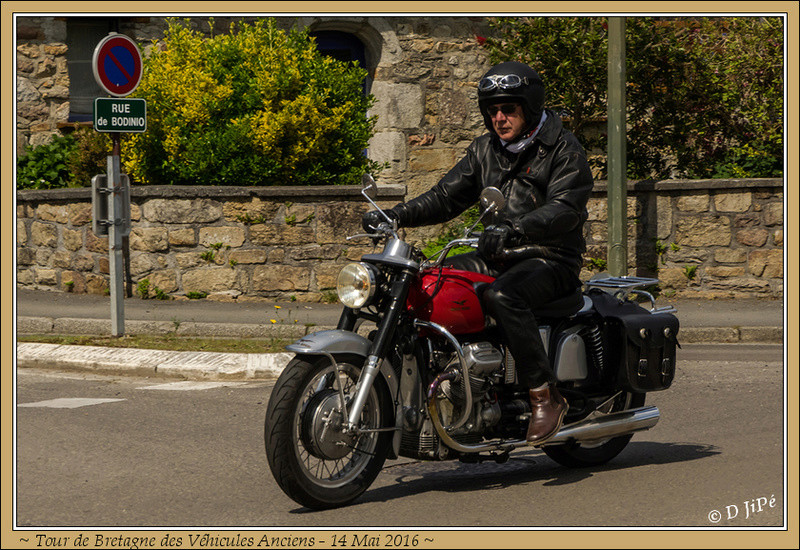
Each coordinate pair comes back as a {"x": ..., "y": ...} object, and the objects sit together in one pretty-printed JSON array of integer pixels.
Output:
[
  {"x": 607, "y": 426},
  {"x": 589, "y": 429}
]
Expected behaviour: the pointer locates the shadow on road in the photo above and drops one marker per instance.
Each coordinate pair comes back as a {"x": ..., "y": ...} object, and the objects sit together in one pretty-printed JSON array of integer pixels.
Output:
[{"x": 523, "y": 467}]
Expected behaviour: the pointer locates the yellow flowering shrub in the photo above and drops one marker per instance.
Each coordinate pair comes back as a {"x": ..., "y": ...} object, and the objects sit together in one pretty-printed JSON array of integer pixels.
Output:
[{"x": 256, "y": 106}]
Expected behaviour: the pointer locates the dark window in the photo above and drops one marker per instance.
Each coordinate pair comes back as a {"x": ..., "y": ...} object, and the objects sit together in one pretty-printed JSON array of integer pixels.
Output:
[
  {"x": 342, "y": 46},
  {"x": 83, "y": 35}
]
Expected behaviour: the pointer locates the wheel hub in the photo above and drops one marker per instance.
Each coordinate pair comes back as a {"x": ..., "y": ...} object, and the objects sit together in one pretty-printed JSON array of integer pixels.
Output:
[{"x": 322, "y": 427}]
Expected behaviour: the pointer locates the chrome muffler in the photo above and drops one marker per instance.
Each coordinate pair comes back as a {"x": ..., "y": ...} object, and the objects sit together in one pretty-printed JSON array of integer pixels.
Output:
[{"x": 605, "y": 426}]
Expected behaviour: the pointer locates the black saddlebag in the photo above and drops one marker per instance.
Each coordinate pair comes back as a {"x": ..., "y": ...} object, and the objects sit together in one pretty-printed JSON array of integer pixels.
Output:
[{"x": 645, "y": 343}]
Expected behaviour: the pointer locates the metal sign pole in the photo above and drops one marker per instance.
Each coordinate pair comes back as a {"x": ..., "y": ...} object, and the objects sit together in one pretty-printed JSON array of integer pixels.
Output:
[
  {"x": 617, "y": 169},
  {"x": 115, "y": 231}
]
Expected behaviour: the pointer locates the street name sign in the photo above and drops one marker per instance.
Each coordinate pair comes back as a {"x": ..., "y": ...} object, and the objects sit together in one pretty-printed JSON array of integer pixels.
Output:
[{"x": 112, "y": 114}]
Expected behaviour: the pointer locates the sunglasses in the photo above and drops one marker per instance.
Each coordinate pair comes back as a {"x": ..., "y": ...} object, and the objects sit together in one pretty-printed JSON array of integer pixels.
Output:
[
  {"x": 505, "y": 108},
  {"x": 503, "y": 81}
]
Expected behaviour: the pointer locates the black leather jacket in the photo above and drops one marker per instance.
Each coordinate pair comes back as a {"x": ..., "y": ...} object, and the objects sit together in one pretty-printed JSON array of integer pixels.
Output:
[{"x": 547, "y": 187}]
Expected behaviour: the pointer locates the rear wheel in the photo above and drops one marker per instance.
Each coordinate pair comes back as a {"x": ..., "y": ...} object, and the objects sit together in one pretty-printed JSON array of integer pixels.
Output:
[
  {"x": 315, "y": 461},
  {"x": 594, "y": 453}
]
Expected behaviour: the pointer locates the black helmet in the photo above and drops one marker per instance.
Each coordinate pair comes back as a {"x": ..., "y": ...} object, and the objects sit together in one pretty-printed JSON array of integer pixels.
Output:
[{"x": 511, "y": 82}]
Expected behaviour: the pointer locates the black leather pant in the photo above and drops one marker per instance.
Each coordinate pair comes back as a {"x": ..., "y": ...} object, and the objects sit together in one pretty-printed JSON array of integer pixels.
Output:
[{"x": 518, "y": 289}]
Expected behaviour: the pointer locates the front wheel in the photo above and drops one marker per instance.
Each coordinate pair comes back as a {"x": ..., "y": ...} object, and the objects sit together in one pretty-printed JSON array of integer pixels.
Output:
[
  {"x": 315, "y": 462},
  {"x": 578, "y": 455}
]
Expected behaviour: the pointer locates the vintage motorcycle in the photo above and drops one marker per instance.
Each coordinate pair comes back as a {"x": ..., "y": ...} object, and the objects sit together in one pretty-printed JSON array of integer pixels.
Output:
[{"x": 434, "y": 381}]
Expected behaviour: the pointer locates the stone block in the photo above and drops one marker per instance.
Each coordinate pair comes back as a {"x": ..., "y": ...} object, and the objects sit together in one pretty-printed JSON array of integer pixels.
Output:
[
  {"x": 703, "y": 231},
  {"x": 52, "y": 213},
  {"x": 255, "y": 210},
  {"x": 229, "y": 236},
  {"x": 182, "y": 210},
  {"x": 753, "y": 236},
  {"x": 389, "y": 146},
  {"x": 22, "y": 233},
  {"x": 182, "y": 237},
  {"x": 336, "y": 222},
  {"x": 72, "y": 239},
  {"x": 730, "y": 255},
  {"x": 270, "y": 278},
  {"x": 188, "y": 259},
  {"x": 83, "y": 262},
  {"x": 26, "y": 256},
  {"x": 399, "y": 105},
  {"x": 47, "y": 277},
  {"x": 209, "y": 279},
  {"x": 694, "y": 203},
  {"x": 766, "y": 263},
  {"x": 598, "y": 210},
  {"x": 724, "y": 271},
  {"x": 149, "y": 239},
  {"x": 773, "y": 213},
  {"x": 325, "y": 276},
  {"x": 431, "y": 160},
  {"x": 79, "y": 214},
  {"x": 733, "y": 202},
  {"x": 62, "y": 259},
  {"x": 96, "y": 284},
  {"x": 266, "y": 234},
  {"x": 164, "y": 280},
  {"x": 95, "y": 243},
  {"x": 249, "y": 256},
  {"x": 44, "y": 234}
]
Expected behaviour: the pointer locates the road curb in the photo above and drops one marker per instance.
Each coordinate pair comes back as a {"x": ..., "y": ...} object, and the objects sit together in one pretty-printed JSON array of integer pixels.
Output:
[{"x": 189, "y": 365}]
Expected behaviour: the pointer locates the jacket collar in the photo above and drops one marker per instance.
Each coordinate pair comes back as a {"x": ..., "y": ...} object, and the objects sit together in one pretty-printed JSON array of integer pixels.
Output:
[{"x": 550, "y": 130}]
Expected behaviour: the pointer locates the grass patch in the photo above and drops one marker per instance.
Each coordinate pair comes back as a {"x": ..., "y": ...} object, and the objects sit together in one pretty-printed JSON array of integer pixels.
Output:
[{"x": 165, "y": 342}]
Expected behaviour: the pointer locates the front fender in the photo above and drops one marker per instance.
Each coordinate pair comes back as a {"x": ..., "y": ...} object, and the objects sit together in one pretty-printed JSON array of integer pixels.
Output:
[{"x": 334, "y": 342}]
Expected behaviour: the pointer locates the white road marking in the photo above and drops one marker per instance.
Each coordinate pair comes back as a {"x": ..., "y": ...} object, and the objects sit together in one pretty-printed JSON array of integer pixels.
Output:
[
  {"x": 69, "y": 402},
  {"x": 189, "y": 385}
]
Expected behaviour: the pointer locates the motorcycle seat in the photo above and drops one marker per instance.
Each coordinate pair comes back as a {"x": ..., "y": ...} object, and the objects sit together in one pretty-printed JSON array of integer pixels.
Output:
[
  {"x": 566, "y": 306},
  {"x": 561, "y": 307}
]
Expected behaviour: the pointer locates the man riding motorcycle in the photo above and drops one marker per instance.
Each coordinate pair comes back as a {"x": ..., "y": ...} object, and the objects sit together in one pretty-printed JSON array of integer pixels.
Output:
[{"x": 541, "y": 169}]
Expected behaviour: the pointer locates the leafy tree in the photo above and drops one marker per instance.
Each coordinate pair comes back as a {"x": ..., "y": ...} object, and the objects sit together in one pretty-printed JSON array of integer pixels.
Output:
[{"x": 704, "y": 95}]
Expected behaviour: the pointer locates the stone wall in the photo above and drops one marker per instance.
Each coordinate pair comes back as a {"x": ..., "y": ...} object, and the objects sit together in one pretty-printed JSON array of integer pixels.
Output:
[{"x": 711, "y": 239}]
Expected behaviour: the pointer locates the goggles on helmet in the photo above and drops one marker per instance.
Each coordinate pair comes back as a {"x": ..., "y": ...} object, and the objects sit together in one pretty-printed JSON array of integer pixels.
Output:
[{"x": 503, "y": 81}]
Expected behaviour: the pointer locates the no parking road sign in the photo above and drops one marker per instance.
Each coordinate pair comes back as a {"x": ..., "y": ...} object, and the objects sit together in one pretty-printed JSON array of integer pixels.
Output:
[{"x": 117, "y": 64}]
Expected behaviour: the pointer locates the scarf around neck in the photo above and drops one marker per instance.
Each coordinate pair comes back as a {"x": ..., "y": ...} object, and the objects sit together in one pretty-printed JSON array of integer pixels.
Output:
[{"x": 522, "y": 143}]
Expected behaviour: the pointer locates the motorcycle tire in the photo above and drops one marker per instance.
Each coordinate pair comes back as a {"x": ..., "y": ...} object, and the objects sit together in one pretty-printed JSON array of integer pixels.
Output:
[
  {"x": 582, "y": 455},
  {"x": 314, "y": 463}
]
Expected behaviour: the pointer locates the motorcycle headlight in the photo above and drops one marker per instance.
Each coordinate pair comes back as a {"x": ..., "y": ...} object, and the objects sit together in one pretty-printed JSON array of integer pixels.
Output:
[{"x": 356, "y": 285}]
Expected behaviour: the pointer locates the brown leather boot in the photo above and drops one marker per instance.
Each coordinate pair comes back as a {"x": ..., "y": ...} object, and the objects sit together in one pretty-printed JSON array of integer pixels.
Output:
[{"x": 548, "y": 408}]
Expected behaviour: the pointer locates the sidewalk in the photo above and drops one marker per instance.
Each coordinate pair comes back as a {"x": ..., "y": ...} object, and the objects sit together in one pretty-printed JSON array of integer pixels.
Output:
[{"x": 45, "y": 312}]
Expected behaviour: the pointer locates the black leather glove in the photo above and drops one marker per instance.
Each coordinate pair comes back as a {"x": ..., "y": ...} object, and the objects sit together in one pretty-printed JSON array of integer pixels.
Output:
[
  {"x": 373, "y": 218},
  {"x": 494, "y": 239}
]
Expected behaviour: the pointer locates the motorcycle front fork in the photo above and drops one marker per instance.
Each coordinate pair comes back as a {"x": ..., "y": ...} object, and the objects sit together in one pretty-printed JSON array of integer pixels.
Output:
[{"x": 380, "y": 345}]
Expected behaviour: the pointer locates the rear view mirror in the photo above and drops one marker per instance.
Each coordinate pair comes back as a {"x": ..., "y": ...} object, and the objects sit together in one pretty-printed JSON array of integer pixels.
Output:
[{"x": 369, "y": 187}]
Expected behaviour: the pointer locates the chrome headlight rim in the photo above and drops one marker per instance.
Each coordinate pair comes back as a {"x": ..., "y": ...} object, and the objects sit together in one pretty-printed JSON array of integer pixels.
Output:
[{"x": 356, "y": 285}]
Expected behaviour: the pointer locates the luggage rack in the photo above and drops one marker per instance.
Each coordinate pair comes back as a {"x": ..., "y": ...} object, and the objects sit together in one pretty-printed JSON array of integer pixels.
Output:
[{"x": 623, "y": 287}]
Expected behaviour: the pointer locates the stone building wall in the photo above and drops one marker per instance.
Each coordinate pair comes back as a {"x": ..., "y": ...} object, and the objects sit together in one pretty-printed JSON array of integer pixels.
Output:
[{"x": 712, "y": 239}]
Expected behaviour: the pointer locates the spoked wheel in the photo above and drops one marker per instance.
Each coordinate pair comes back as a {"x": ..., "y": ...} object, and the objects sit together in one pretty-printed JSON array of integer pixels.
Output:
[
  {"x": 314, "y": 460},
  {"x": 594, "y": 453}
]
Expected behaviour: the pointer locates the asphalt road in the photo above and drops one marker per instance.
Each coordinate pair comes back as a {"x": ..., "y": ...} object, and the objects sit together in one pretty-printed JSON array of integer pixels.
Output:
[{"x": 137, "y": 452}]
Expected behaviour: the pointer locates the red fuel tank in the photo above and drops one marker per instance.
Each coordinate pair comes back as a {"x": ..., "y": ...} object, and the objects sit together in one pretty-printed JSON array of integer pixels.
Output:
[{"x": 448, "y": 298}]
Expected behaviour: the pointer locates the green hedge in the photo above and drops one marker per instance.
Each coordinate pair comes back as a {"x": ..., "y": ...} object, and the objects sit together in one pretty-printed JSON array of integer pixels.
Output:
[{"x": 256, "y": 106}]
